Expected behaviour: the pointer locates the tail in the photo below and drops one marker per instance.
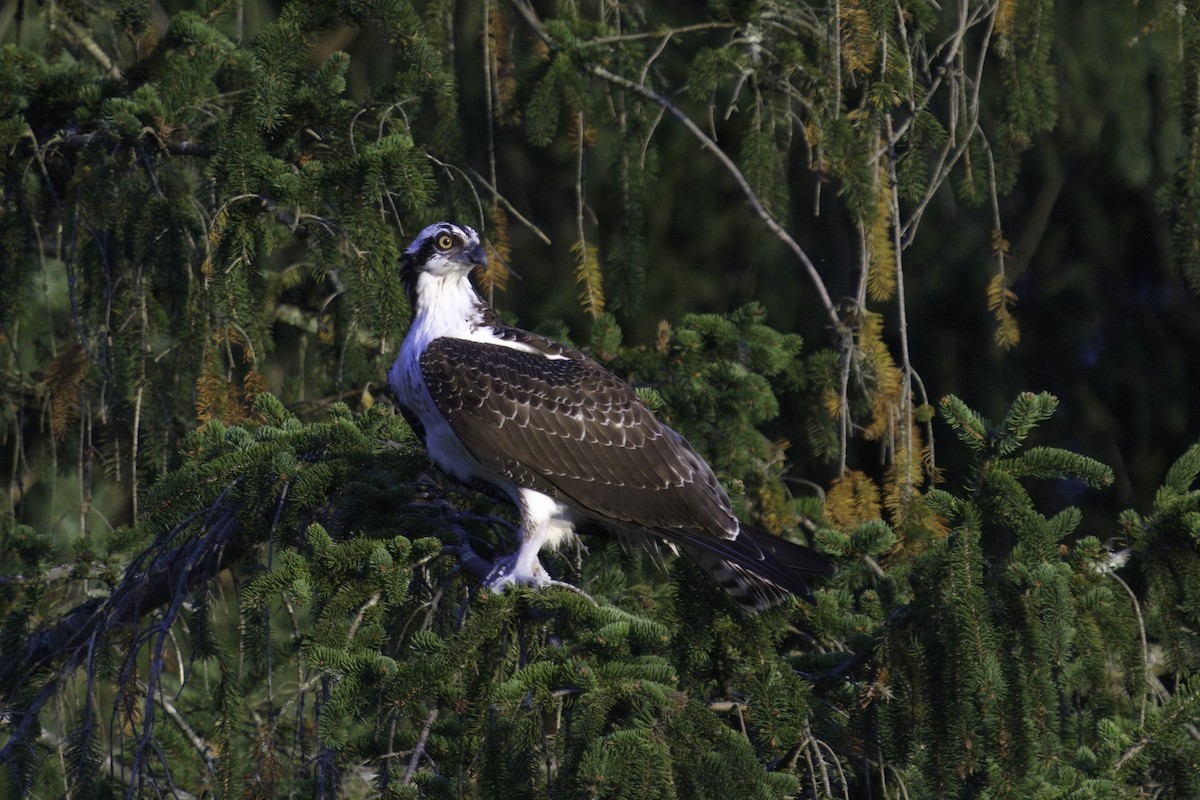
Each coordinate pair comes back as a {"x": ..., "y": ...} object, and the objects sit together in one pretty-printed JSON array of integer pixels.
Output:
[{"x": 757, "y": 569}]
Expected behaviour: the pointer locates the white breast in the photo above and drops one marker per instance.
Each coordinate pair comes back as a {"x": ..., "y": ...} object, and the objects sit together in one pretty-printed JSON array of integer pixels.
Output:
[{"x": 447, "y": 305}]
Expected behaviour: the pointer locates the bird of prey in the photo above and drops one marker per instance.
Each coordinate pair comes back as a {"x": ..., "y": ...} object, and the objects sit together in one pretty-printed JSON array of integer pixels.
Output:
[{"x": 567, "y": 440}]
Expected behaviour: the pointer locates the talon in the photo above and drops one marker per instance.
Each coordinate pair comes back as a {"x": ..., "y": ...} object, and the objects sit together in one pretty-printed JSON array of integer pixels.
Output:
[{"x": 509, "y": 571}]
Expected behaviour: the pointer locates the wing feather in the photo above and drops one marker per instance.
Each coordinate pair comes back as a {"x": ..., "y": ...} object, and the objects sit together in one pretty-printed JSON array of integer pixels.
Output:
[{"x": 570, "y": 424}]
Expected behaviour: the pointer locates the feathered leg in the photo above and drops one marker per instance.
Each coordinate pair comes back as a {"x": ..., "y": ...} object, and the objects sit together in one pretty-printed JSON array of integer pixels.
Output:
[{"x": 544, "y": 523}]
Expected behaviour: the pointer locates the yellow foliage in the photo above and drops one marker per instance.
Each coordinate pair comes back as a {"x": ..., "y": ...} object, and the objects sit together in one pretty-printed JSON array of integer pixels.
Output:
[
  {"x": 812, "y": 134},
  {"x": 852, "y": 499},
  {"x": 1001, "y": 299},
  {"x": 231, "y": 336},
  {"x": 1006, "y": 16},
  {"x": 214, "y": 239},
  {"x": 908, "y": 511},
  {"x": 903, "y": 476},
  {"x": 915, "y": 523},
  {"x": 212, "y": 397},
  {"x": 254, "y": 384},
  {"x": 585, "y": 137},
  {"x": 772, "y": 502},
  {"x": 878, "y": 689},
  {"x": 881, "y": 253},
  {"x": 221, "y": 397},
  {"x": 831, "y": 401},
  {"x": 326, "y": 329},
  {"x": 591, "y": 281},
  {"x": 63, "y": 379},
  {"x": 494, "y": 277},
  {"x": 662, "y": 339},
  {"x": 889, "y": 381},
  {"x": 505, "y": 109},
  {"x": 1000, "y": 245},
  {"x": 859, "y": 39}
]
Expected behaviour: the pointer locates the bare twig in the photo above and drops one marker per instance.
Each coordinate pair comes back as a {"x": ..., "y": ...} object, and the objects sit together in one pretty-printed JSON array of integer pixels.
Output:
[
  {"x": 743, "y": 184},
  {"x": 633, "y": 37},
  {"x": 510, "y": 208},
  {"x": 955, "y": 147}
]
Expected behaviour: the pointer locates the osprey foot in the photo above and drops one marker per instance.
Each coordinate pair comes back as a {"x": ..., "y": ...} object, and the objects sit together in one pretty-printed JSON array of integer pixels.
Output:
[{"x": 513, "y": 570}]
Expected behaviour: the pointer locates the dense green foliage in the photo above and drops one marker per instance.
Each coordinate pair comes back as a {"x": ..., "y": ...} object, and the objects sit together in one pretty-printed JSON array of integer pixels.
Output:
[
  {"x": 228, "y": 569},
  {"x": 361, "y": 659}
]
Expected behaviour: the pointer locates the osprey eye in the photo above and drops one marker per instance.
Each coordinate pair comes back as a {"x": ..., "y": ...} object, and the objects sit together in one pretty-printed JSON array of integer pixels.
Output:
[{"x": 444, "y": 242}]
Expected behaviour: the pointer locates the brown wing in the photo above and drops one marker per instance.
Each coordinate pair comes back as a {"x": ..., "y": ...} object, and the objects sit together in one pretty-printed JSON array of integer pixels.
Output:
[{"x": 568, "y": 427}]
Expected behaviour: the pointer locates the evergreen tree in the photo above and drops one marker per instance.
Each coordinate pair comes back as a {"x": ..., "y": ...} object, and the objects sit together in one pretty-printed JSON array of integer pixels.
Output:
[{"x": 228, "y": 568}]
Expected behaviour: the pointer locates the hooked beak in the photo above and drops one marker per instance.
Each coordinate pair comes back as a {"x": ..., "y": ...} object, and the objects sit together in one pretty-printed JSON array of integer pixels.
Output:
[{"x": 477, "y": 256}]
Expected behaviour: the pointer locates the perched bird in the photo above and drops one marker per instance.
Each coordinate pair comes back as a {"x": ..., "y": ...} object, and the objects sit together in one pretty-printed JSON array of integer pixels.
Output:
[{"x": 567, "y": 440}]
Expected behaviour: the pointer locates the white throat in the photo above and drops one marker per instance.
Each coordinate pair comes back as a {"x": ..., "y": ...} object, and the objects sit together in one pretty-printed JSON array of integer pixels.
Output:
[{"x": 447, "y": 305}]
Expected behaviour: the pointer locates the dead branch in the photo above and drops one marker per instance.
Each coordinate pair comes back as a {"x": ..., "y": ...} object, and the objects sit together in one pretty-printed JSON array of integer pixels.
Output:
[{"x": 155, "y": 578}]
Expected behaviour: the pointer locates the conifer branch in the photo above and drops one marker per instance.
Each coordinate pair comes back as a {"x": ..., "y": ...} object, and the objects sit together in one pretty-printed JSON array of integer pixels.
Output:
[
  {"x": 468, "y": 559},
  {"x": 587, "y": 263},
  {"x": 138, "y": 594},
  {"x": 667, "y": 34},
  {"x": 708, "y": 143},
  {"x": 186, "y": 147},
  {"x": 203, "y": 749}
]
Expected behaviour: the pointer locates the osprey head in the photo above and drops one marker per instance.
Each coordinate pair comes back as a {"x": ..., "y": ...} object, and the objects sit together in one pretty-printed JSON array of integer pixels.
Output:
[{"x": 441, "y": 250}]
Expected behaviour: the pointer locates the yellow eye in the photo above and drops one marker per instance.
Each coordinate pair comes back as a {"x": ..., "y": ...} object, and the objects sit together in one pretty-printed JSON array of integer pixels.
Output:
[{"x": 444, "y": 242}]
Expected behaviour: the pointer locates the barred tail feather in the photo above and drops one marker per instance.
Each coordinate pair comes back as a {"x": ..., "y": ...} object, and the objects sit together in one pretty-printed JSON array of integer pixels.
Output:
[{"x": 757, "y": 569}]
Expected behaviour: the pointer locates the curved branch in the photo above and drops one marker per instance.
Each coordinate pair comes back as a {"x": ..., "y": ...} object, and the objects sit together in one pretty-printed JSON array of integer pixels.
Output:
[{"x": 150, "y": 583}]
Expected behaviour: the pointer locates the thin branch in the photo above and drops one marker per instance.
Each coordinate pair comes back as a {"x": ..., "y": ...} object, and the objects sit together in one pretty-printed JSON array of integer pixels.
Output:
[
  {"x": 1137, "y": 610},
  {"x": 947, "y": 159},
  {"x": 634, "y": 37},
  {"x": 78, "y": 141},
  {"x": 658, "y": 51},
  {"x": 205, "y": 749},
  {"x": 510, "y": 208},
  {"x": 751, "y": 197},
  {"x": 415, "y": 759},
  {"x": 81, "y": 37},
  {"x": 906, "y": 399},
  {"x": 370, "y": 603}
]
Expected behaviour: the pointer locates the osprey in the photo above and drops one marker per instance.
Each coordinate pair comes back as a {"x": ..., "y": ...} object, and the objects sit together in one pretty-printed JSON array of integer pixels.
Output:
[{"x": 568, "y": 441}]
